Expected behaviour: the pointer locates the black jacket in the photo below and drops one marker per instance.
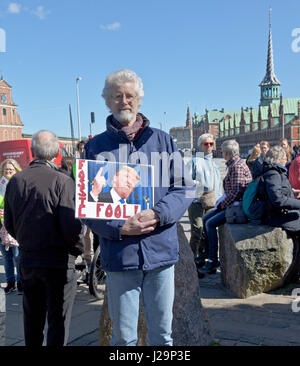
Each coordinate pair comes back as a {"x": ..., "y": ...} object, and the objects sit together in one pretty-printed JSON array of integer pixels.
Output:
[
  {"x": 39, "y": 213},
  {"x": 102, "y": 197},
  {"x": 282, "y": 208},
  {"x": 257, "y": 167}
]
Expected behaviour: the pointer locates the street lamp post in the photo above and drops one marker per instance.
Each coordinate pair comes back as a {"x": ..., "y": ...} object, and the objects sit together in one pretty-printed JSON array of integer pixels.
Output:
[{"x": 78, "y": 108}]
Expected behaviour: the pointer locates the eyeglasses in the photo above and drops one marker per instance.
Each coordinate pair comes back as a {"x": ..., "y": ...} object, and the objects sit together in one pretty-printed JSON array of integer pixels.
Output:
[
  {"x": 9, "y": 170},
  {"x": 119, "y": 97},
  {"x": 208, "y": 143}
]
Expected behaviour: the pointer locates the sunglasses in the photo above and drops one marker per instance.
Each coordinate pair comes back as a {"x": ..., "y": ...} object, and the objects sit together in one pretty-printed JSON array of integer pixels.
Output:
[{"x": 208, "y": 144}]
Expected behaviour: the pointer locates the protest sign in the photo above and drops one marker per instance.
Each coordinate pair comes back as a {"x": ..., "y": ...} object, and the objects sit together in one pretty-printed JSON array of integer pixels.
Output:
[{"x": 112, "y": 190}]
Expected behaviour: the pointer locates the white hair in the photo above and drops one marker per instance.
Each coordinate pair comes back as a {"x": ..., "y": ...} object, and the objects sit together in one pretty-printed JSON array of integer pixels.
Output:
[
  {"x": 231, "y": 147},
  {"x": 204, "y": 137},
  {"x": 117, "y": 78},
  {"x": 275, "y": 155}
]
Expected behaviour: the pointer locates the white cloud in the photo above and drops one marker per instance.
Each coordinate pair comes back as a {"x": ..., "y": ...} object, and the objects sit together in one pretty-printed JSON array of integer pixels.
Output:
[
  {"x": 14, "y": 8},
  {"x": 112, "y": 27},
  {"x": 40, "y": 12}
]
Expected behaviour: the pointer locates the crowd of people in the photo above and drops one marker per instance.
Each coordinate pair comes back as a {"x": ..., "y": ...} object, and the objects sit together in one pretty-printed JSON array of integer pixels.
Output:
[
  {"x": 41, "y": 237},
  {"x": 138, "y": 255},
  {"x": 279, "y": 189}
]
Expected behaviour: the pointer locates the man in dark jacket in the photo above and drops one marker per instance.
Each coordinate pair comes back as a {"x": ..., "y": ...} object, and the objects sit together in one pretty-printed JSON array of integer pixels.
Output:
[
  {"x": 40, "y": 215},
  {"x": 139, "y": 254}
]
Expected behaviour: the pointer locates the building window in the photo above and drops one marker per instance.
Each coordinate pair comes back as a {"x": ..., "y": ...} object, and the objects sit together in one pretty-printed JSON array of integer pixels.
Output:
[
  {"x": 4, "y": 111},
  {"x": 5, "y": 135}
]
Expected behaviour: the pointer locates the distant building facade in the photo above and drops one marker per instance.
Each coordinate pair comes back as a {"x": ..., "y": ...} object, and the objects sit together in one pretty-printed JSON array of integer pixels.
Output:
[
  {"x": 183, "y": 136},
  {"x": 11, "y": 126},
  {"x": 276, "y": 117}
]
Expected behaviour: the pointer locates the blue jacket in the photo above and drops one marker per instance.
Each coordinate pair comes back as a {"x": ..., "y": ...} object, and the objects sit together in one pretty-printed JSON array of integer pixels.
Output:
[{"x": 161, "y": 247}]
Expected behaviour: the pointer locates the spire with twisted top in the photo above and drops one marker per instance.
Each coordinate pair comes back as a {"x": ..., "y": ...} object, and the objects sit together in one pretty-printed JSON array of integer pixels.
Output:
[
  {"x": 270, "y": 77},
  {"x": 188, "y": 117}
]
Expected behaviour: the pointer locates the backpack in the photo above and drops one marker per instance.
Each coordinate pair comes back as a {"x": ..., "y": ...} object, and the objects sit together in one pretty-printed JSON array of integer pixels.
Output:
[{"x": 253, "y": 207}]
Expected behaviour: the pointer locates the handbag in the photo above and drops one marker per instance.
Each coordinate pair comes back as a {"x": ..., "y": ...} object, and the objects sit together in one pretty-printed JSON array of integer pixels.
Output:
[
  {"x": 208, "y": 198},
  {"x": 235, "y": 214},
  {"x": 7, "y": 239}
]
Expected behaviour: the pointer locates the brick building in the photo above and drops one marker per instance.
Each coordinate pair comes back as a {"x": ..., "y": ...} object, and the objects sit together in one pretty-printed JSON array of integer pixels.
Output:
[
  {"x": 11, "y": 127},
  {"x": 10, "y": 122},
  {"x": 275, "y": 117}
]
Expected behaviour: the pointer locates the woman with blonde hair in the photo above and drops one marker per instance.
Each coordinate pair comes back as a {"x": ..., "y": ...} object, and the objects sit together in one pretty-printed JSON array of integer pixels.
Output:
[
  {"x": 9, "y": 248},
  {"x": 255, "y": 153}
]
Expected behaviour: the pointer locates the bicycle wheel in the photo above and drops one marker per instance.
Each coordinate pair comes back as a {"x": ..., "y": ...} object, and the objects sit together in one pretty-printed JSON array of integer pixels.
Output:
[{"x": 97, "y": 276}]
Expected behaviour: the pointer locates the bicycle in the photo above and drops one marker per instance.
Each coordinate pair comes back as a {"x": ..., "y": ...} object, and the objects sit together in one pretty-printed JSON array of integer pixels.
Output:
[{"x": 95, "y": 277}]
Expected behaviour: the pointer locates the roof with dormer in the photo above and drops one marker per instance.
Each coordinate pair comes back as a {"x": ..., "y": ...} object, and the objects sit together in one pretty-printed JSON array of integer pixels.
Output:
[{"x": 225, "y": 118}]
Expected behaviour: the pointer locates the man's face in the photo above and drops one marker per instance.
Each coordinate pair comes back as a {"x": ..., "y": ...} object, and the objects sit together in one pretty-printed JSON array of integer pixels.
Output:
[
  {"x": 124, "y": 103},
  {"x": 264, "y": 148},
  {"x": 81, "y": 148},
  {"x": 124, "y": 182}
]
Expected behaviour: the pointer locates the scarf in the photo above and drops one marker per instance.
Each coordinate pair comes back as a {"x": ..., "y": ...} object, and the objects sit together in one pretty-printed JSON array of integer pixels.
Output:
[{"x": 130, "y": 131}]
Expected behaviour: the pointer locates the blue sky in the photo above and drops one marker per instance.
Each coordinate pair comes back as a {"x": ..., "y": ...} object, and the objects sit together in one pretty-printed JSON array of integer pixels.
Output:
[{"x": 210, "y": 54}]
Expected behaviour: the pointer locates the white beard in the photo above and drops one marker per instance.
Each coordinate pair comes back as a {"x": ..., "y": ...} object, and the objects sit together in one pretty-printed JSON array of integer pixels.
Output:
[{"x": 125, "y": 116}]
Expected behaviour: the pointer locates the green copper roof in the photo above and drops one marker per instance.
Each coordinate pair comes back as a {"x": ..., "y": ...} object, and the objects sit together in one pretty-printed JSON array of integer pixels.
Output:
[{"x": 290, "y": 106}]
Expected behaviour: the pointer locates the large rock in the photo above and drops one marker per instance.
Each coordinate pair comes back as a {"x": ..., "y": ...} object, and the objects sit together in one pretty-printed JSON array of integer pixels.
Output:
[
  {"x": 190, "y": 323},
  {"x": 2, "y": 317},
  {"x": 254, "y": 258}
]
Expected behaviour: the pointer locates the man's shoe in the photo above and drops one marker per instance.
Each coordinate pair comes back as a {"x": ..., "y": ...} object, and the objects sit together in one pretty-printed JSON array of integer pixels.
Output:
[
  {"x": 200, "y": 260},
  {"x": 210, "y": 267},
  {"x": 11, "y": 286},
  {"x": 19, "y": 288}
]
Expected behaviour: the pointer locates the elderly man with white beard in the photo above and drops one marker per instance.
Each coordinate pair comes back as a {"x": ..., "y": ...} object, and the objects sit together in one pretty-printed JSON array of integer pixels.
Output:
[{"x": 139, "y": 254}]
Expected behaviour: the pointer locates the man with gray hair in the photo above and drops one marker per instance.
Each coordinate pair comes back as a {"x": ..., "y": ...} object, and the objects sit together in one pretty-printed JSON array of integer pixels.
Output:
[
  {"x": 235, "y": 183},
  {"x": 139, "y": 254},
  {"x": 39, "y": 213}
]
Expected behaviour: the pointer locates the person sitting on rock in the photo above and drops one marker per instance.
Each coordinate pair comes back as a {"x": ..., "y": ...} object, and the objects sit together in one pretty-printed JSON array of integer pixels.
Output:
[
  {"x": 282, "y": 206},
  {"x": 235, "y": 183}
]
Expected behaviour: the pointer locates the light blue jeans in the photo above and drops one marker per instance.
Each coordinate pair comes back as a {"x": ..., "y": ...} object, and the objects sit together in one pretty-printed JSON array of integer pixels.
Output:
[
  {"x": 123, "y": 292},
  {"x": 10, "y": 259}
]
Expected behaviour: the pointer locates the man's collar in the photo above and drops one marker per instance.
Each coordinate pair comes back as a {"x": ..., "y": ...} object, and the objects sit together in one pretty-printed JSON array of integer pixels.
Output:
[
  {"x": 232, "y": 160},
  {"x": 114, "y": 195}
]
